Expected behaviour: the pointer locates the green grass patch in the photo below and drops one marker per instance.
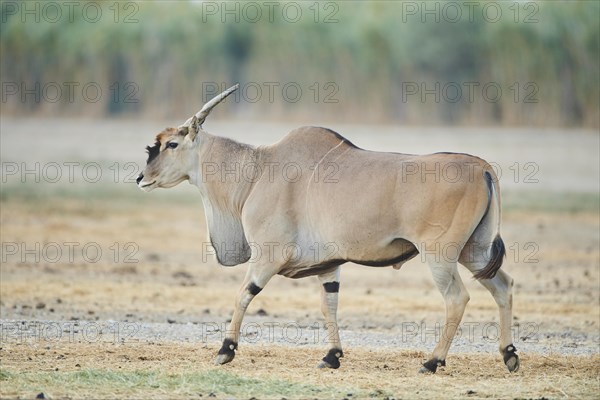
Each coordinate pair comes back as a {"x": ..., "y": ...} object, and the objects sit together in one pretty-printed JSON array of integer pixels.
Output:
[
  {"x": 5, "y": 375},
  {"x": 100, "y": 383}
]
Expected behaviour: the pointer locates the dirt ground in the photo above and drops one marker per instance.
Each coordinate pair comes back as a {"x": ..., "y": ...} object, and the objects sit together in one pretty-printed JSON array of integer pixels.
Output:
[{"x": 119, "y": 299}]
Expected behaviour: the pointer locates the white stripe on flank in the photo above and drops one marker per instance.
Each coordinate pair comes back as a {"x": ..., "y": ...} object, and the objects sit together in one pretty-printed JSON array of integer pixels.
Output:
[{"x": 317, "y": 166}]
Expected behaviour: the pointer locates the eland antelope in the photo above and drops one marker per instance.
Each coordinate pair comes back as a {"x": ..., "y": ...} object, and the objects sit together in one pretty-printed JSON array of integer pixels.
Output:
[{"x": 376, "y": 209}]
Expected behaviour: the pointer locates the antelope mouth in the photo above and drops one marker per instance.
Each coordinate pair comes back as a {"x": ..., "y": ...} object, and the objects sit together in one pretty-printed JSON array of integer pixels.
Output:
[
  {"x": 146, "y": 186},
  {"x": 149, "y": 184}
]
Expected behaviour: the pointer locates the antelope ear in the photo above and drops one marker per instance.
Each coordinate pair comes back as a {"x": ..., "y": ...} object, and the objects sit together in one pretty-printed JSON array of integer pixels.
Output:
[
  {"x": 183, "y": 130},
  {"x": 192, "y": 129}
]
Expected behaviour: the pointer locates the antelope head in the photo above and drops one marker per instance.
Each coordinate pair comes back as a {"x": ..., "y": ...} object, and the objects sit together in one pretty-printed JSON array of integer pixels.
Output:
[{"x": 174, "y": 154}]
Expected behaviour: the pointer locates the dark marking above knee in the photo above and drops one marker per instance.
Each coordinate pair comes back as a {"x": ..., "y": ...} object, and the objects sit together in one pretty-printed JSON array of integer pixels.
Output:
[
  {"x": 331, "y": 287},
  {"x": 253, "y": 289}
]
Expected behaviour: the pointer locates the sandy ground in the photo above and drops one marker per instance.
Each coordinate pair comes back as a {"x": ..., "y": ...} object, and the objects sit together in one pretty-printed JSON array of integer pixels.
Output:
[{"x": 153, "y": 300}]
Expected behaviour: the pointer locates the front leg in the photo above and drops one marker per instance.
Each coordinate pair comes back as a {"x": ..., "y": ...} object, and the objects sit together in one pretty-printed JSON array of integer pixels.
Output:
[
  {"x": 329, "y": 302},
  {"x": 255, "y": 281}
]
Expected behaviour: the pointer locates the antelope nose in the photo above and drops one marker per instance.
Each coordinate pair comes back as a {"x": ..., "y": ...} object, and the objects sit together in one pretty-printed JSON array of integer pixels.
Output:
[{"x": 139, "y": 178}]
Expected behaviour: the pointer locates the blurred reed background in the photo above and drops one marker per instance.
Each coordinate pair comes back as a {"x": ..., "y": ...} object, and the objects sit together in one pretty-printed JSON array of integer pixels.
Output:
[{"x": 436, "y": 63}]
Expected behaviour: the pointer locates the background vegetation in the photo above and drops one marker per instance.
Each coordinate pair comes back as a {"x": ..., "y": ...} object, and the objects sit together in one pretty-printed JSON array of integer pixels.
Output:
[{"x": 156, "y": 58}]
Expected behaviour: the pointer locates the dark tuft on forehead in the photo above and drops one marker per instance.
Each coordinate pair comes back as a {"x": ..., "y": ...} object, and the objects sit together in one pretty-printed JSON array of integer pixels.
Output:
[{"x": 152, "y": 151}]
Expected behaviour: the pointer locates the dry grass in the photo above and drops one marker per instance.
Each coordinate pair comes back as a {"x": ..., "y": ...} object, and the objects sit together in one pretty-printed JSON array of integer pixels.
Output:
[{"x": 184, "y": 370}]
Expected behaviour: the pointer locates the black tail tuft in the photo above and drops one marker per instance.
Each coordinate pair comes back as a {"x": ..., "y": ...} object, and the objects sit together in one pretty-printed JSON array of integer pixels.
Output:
[{"x": 498, "y": 253}]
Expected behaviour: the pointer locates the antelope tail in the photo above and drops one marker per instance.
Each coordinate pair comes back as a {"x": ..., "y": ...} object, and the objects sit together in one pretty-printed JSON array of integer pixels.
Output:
[{"x": 497, "y": 250}]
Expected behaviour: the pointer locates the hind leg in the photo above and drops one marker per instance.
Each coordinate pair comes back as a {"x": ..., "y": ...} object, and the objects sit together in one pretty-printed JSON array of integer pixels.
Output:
[
  {"x": 456, "y": 297},
  {"x": 500, "y": 286},
  {"x": 329, "y": 302}
]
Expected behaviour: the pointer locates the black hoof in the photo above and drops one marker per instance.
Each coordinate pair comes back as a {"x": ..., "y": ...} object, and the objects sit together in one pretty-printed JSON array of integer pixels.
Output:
[
  {"x": 431, "y": 366},
  {"x": 511, "y": 359},
  {"x": 332, "y": 359},
  {"x": 227, "y": 352}
]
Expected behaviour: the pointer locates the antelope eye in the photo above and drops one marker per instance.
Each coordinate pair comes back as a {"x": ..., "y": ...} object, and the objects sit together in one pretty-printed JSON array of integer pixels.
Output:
[{"x": 172, "y": 145}]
